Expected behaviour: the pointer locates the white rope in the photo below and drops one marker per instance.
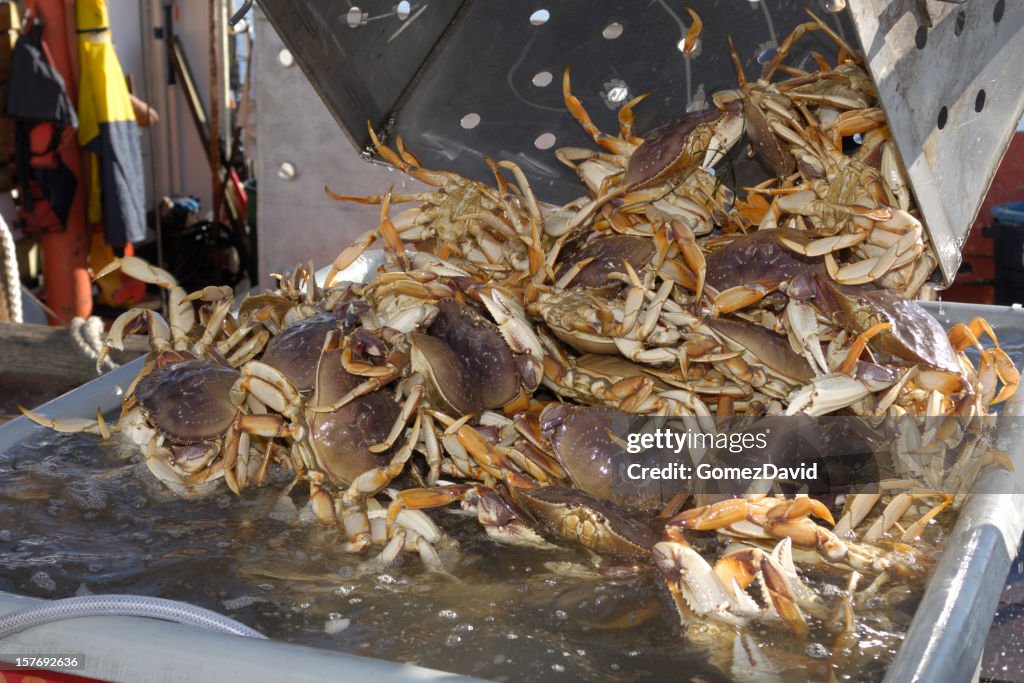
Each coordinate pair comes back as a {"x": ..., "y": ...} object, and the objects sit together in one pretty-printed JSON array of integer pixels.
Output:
[
  {"x": 10, "y": 283},
  {"x": 87, "y": 334}
]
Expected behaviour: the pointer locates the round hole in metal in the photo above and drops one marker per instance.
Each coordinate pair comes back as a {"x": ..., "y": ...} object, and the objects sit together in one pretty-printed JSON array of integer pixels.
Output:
[
  {"x": 998, "y": 10},
  {"x": 921, "y": 37},
  {"x": 470, "y": 121},
  {"x": 961, "y": 21},
  {"x": 403, "y": 9},
  {"x": 542, "y": 79},
  {"x": 979, "y": 101},
  {"x": 943, "y": 118},
  {"x": 612, "y": 31},
  {"x": 354, "y": 17},
  {"x": 285, "y": 57},
  {"x": 545, "y": 141},
  {"x": 539, "y": 17}
]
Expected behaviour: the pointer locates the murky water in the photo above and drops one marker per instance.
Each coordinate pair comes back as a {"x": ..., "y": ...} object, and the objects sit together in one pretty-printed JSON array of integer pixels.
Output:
[{"x": 77, "y": 517}]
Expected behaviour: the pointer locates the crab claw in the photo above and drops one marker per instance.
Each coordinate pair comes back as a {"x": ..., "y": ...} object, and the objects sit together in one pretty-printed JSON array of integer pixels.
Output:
[
  {"x": 826, "y": 394},
  {"x": 133, "y": 266},
  {"x": 696, "y": 587},
  {"x": 71, "y": 425}
]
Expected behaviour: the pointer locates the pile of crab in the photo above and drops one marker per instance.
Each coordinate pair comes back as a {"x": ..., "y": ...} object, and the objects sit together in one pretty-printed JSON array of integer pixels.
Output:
[{"x": 484, "y": 361}]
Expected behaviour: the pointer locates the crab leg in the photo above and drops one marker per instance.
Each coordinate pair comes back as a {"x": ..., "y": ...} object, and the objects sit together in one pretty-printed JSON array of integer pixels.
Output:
[{"x": 352, "y": 504}]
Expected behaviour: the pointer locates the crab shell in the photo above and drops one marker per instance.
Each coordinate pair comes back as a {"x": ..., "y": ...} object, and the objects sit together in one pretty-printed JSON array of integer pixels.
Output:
[
  {"x": 189, "y": 401},
  {"x": 581, "y": 437},
  {"x": 674, "y": 147},
  {"x": 594, "y": 524},
  {"x": 449, "y": 383},
  {"x": 296, "y": 351},
  {"x": 479, "y": 345},
  {"x": 608, "y": 254},
  {"x": 341, "y": 440}
]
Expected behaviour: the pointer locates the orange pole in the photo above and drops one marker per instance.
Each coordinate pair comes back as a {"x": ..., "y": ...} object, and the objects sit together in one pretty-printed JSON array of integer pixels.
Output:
[{"x": 66, "y": 282}]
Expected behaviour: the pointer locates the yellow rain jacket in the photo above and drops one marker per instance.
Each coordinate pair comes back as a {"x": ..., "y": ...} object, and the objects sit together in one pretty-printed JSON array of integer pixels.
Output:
[{"x": 108, "y": 129}]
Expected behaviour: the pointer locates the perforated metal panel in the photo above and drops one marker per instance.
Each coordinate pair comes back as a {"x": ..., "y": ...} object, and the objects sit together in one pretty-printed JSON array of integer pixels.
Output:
[
  {"x": 490, "y": 81},
  {"x": 461, "y": 80}
]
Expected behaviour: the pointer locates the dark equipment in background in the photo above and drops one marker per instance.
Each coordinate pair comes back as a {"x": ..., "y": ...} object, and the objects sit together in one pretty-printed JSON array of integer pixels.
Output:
[
  {"x": 196, "y": 251},
  {"x": 1007, "y": 231}
]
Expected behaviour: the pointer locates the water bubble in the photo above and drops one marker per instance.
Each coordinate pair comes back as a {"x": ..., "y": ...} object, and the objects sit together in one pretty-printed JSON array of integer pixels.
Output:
[
  {"x": 87, "y": 495},
  {"x": 817, "y": 651},
  {"x": 224, "y": 502},
  {"x": 336, "y": 624},
  {"x": 387, "y": 579},
  {"x": 241, "y": 602},
  {"x": 453, "y": 640},
  {"x": 561, "y": 614},
  {"x": 557, "y": 668},
  {"x": 44, "y": 581},
  {"x": 448, "y": 614},
  {"x": 512, "y": 636}
]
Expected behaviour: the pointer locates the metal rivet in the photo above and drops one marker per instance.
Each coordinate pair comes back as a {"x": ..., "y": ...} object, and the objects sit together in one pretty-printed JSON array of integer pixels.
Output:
[
  {"x": 286, "y": 171},
  {"x": 285, "y": 57},
  {"x": 470, "y": 121},
  {"x": 542, "y": 79}
]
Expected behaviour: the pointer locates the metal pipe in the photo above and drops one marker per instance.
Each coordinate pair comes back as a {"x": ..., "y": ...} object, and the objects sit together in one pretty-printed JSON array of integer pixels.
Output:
[{"x": 121, "y": 606}]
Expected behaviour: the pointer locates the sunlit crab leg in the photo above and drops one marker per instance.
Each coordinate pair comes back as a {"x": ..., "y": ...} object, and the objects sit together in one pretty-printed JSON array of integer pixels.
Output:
[
  {"x": 349, "y": 254},
  {"x": 128, "y": 323},
  {"x": 575, "y": 107},
  {"x": 135, "y": 267},
  {"x": 70, "y": 425},
  {"x": 803, "y": 323},
  {"x": 212, "y": 328},
  {"x": 270, "y": 386},
  {"x": 826, "y": 394}
]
